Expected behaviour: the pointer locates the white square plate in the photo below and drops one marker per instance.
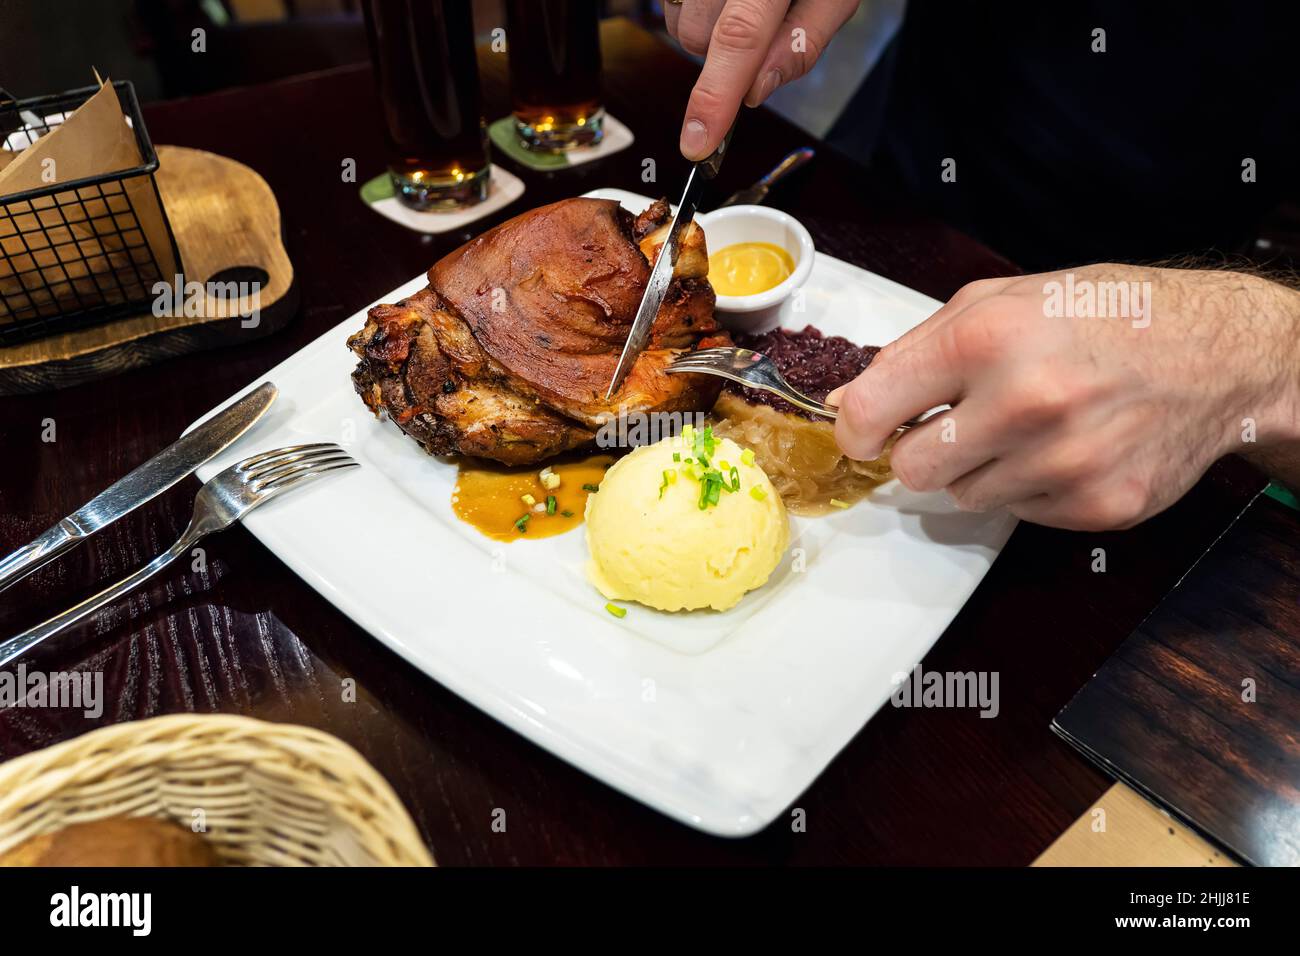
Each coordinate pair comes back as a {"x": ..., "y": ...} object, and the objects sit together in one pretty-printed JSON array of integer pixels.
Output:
[{"x": 718, "y": 719}]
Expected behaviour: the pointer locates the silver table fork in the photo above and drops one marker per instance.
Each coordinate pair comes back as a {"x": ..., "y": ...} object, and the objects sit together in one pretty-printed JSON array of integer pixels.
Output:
[
  {"x": 757, "y": 371},
  {"x": 222, "y": 501}
]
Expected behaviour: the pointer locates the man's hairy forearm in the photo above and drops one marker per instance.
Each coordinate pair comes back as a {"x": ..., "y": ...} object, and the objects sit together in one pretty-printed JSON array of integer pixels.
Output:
[{"x": 1276, "y": 447}]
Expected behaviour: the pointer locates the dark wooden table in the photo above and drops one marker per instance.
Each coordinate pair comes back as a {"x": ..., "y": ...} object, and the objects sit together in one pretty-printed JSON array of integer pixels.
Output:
[{"x": 914, "y": 787}]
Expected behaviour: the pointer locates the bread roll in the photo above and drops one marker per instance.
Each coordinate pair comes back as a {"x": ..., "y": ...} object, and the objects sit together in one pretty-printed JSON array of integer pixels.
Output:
[{"x": 115, "y": 841}]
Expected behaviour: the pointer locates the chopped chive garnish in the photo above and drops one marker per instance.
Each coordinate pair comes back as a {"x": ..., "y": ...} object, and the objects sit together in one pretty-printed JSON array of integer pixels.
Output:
[
  {"x": 522, "y": 524},
  {"x": 592, "y": 488},
  {"x": 757, "y": 493},
  {"x": 550, "y": 504},
  {"x": 567, "y": 514},
  {"x": 616, "y": 610},
  {"x": 703, "y": 444},
  {"x": 670, "y": 478},
  {"x": 710, "y": 488},
  {"x": 836, "y": 503},
  {"x": 714, "y": 476},
  {"x": 747, "y": 456}
]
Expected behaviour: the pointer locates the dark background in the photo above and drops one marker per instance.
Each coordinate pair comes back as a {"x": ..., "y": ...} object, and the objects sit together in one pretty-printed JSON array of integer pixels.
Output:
[{"x": 50, "y": 45}]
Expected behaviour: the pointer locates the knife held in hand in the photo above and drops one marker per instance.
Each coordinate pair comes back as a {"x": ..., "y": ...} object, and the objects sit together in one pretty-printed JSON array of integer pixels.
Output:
[{"x": 661, "y": 275}]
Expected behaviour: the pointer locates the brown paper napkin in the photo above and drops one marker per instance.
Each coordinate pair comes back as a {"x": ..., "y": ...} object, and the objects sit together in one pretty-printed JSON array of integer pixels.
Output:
[{"x": 80, "y": 249}]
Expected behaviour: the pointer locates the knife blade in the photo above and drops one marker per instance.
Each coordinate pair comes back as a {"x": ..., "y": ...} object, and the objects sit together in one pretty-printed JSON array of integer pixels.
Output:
[
  {"x": 755, "y": 194},
  {"x": 141, "y": 485},
  {"x": 662, "y": 274}
]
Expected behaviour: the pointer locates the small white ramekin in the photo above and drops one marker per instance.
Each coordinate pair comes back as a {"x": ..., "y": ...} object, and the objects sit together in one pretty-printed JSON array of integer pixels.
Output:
[{"x": 729, "y": 225}]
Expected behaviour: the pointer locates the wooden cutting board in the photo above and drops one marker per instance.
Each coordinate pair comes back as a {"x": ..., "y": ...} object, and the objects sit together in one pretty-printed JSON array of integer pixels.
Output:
[
  {"x": 227, "y": 227},
  {"x": 1199, "y": 709}
]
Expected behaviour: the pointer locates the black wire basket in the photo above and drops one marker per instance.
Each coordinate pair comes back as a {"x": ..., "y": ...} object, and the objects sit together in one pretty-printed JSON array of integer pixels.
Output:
[{"x": 76, "y": 253}]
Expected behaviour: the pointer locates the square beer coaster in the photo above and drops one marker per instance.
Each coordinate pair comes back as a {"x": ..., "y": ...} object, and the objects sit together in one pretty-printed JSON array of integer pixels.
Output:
[
  {"x": 502, "y": 132},
  {"x": 504, "y": 187},
  {"x": 1279, "y": 493}
]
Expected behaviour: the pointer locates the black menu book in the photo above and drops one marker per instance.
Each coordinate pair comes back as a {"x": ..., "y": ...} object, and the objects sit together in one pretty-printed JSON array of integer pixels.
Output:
[{"x": 1200, "y": 708}]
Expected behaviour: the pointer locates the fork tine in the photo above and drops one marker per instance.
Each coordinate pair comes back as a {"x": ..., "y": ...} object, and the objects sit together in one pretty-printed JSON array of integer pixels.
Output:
[
  {"x": 284, "y": 482},
  {"x": 262, "y": 469},
  {"x": 312, "y": 449},
  {"x": 256, "y": 460},
  {"x": 696, "y": 357},
  {"x": 705, "y": 355},
  {"x": 702, "y": 370},
  {"x": 289, "y": 458},
  {"x": 754, "y": 370},
  {"x": 716, "y": 373},
  {"x": 264, "y": 478}
]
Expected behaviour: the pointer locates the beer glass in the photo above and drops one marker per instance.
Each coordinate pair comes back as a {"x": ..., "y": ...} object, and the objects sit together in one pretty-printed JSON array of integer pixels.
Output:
[
  {"x": 427, "y": 73},
  {"x": 554, "y": 48}
]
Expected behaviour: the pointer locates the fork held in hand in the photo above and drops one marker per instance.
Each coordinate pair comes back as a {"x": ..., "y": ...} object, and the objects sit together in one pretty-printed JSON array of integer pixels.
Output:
[
  {"x": 757, "y": 371},
  {"x": 222, "y": 501}
]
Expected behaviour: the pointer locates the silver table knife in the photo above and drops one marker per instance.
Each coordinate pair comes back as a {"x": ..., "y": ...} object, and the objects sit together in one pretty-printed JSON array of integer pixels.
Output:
[
  {"x": 145, "y": 483},
  {"x": 662, "y": 273},
  {"x": 755, "y": 194}
]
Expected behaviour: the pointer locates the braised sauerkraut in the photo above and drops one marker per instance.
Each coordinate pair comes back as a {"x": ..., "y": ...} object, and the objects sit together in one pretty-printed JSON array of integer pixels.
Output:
[{"x": 799, "y": 455}]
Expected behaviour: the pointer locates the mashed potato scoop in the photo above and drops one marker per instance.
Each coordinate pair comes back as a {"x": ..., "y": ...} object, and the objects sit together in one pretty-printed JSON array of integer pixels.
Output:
[{"x": 688, "y": 522}]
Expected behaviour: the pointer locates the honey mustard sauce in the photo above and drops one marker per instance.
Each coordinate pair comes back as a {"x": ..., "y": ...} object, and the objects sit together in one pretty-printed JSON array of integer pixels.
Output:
[{"x": 747, "y": 268}]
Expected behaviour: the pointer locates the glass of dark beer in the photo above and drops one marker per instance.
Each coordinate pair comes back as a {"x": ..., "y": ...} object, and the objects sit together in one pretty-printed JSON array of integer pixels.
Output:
[
  {"x": 427, "y": 73},
  {"x": 555, "y": 94}
]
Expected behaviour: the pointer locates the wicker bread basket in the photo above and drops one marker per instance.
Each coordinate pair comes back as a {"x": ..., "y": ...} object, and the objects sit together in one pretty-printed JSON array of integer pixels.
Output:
[{"x": 265, "y": 794}]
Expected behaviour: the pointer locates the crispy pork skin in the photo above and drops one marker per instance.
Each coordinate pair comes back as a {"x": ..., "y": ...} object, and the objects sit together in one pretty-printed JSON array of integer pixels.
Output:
[{"x": 508, "y": 352}]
